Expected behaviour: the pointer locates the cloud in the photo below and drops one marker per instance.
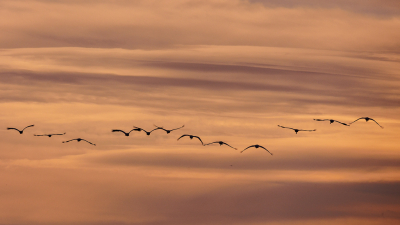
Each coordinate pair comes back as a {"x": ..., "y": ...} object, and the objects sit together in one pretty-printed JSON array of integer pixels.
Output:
[
  {"x": 83, "y": 196},
  {"x": 169, "y": 24},
  {"x": 307, "y": 88},
  {"x": 386, "y": 8},
  {"x": 224, "y": 159}
]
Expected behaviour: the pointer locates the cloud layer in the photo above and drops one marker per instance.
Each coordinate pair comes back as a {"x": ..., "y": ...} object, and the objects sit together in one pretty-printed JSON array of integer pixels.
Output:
[{"x": 155, "y": 24}]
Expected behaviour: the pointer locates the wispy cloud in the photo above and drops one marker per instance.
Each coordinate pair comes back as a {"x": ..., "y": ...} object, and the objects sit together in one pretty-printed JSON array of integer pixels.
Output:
[{"x": 140, "y": 24}]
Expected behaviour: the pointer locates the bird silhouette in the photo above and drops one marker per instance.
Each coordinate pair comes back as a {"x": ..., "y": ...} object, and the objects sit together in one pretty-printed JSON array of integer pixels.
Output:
[
  {"x": 78, "y": 140},
  {"x": 48, "y": 135},
  {"x": 168, "y": 131},
  {"x": 296, "y": 130},
  {"x": 147, "y": 132},
  {"x": 256, "y": 146},
  {"x": 366, "y": 119},
  {"x": 331, "y": 121},
  {"x": 20, "y": 131},
  {"x": 126, "y": 134},
  {"x": 191, "y": 137},
  {"x": 220, "y": 143}
]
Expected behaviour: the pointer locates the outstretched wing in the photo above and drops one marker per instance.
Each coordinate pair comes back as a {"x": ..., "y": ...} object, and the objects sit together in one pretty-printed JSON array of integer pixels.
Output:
[
  {"x": 212, "y": 143},
  {"x": 308, "y": 130},
  {"x": 358, "y": 119},
  {"x": 247, "y": 148},
  {"x": 286, "y": 127},
  {"x": 28, "y": 126},
  {"x": 157, "y": 128},
  {"x": 177, "y": 128},
  {"x": 229, "y": 145},
  {"x": 183, "y": 136},
  {"x": 141, "y": 129},
  {"x": 118, "y": 131},
  {"x": 341, "y": 123},
  {"x": 12, "y": 128},
  {"x": 199, "y": 139},
  {"x": 161, "y": 128},
  {"x": 321, "y": 119},
  {"x": 265, "y": 149},
  {"x": 69, "y": 140},
  {"x": 58, "y": 134},
  {"x": 39, "y": 135},
  {"x": 89, "y": 142},
  {"x": 376, "y": 122}
]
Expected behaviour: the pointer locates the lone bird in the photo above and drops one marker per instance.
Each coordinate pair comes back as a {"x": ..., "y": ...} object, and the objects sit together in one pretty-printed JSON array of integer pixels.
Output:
[
  {"x": 220, "y": 143},
  {"x": 79, "y": 139},
  {"x": 48, "y": 135},
  {"x": 331, "y": 121},
  {"x": 168, "y": 131},
  {"x": 191, "y": 137},
  {"x": 366, "y": 119},
  {"x": 126, "y": 134},
  {"x": 147, "y": 132},
  {"x": 256, "y": 146},
  {"x": 296, "y": 130},
  {"x": 20, "y": 131}
]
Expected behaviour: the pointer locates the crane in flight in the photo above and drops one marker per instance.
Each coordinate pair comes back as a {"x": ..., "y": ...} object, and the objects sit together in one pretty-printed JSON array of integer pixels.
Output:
[
  {"x": 191, "y": 137},
  {"x": 78, "y": 140},
  {"x": 220, "y": 144},
  {"x": 126, "y": 133},
  {"x": 366, "y": 120},
  {"x": 20, "y": 131},
  {"x": 48, "y": 135},
  {"x": 296, "y": 130},
  {"x": 256, "y": 146}
]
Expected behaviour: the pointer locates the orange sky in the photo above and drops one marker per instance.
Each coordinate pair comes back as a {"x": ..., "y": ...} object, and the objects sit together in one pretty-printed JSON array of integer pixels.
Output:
[{"x": 229, "y": 70}]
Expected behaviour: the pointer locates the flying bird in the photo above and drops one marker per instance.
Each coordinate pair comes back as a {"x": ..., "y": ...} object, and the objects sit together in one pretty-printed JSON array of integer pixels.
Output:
[
  {"x": 147, "y": 132},
  {"x": 331, "y": 121},
  {"x": 168, "y": 131},
  {"x": 191, "y": 137},
  {"x": 366, "y": 119},
  {"x": 220, "y": 143},
  {"x": 126, "y": 134},
  {"x": 20, "y": 131},
  {"x": 79, "y": 139},
  {"x": 296, "y": 130},
  {"x": 256, "y": 146},
  {"x": 48, "y": 135}
]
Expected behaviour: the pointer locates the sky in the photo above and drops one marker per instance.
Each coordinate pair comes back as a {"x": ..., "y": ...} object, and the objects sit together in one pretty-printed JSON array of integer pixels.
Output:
[{"x": 228, "y": 70}]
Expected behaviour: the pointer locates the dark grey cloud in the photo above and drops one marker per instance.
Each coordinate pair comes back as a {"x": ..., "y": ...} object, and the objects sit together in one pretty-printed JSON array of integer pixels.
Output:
[
  {"x": 126, "y": 198},
  {"x": 299, "y": 87},
  {"x": 322, "y": 201},
  {"x": 246, "y": 161},
  {"x": 261, "y": 202},
  {"x": 385, "y": 8}
]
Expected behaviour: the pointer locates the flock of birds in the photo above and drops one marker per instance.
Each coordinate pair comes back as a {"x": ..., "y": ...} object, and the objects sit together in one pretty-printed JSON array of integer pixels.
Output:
[{"x": 193, "y": 136}]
